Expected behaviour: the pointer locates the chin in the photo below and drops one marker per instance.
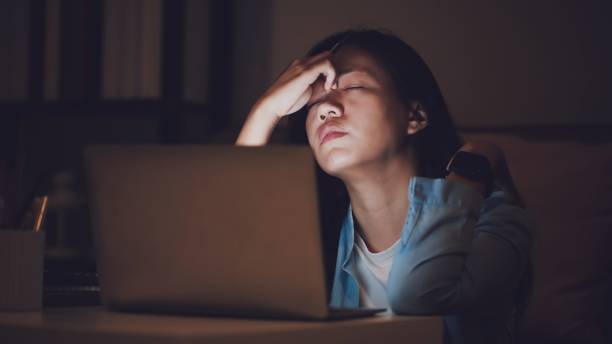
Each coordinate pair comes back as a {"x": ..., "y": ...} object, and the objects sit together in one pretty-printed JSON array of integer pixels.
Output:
[{"x": 335, "y": 161}]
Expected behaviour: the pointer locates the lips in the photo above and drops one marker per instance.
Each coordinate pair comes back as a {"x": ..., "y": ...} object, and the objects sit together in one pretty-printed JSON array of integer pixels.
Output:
[{"x": 330, "y": 131}]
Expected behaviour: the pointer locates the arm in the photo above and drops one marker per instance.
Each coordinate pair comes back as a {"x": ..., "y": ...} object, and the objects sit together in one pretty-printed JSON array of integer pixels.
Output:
[
  {"x": 257, "y": 128},
  {"x": 458, "y": 253},
  {"x": 289, "y": 93}
]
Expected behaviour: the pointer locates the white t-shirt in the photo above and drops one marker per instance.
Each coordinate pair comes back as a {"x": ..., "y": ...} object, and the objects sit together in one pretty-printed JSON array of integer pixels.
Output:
[{"x": 372, "y": 273}]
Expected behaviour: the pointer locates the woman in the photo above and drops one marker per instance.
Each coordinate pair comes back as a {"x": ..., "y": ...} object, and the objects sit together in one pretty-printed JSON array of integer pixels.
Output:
[{"x": 434, "y": 226}]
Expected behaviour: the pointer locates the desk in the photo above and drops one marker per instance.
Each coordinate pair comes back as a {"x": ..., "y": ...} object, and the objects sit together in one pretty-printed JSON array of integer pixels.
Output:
[{"x": 93, "y": 325}]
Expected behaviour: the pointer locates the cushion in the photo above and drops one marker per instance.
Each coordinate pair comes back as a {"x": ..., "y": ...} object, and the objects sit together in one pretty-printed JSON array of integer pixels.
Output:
[{"x": 567, "y": 186}]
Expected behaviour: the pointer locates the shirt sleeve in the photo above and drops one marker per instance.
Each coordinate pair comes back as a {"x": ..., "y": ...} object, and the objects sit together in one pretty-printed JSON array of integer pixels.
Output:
[{"x": 457, "y": 250}]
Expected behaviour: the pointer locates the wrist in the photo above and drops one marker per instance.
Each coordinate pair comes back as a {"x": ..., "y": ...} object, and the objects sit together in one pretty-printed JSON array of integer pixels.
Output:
[
  {"x": 263, "y": 112},
  {"x": 258, "y": 127},
  {"x": 473, "y": 169}
]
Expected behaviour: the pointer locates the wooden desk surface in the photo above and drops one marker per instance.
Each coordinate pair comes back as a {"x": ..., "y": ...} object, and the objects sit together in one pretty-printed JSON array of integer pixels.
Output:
[{"x": 92, "y": 325}]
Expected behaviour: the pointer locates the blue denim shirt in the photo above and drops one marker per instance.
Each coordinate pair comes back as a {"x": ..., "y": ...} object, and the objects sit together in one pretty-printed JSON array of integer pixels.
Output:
[{"x": 460, "y": 256}]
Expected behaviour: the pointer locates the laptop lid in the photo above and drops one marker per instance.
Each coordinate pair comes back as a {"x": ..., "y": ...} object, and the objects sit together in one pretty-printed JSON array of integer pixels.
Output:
[{"x": 213, "y": 229}]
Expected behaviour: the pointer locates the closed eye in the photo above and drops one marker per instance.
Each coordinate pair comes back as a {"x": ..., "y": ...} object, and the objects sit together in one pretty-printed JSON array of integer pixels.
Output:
[{"x": 346, "y": 88}]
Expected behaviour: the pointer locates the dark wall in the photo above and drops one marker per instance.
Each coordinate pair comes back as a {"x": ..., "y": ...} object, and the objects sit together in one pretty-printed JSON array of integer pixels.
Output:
[{"x": 498, "y": 62}]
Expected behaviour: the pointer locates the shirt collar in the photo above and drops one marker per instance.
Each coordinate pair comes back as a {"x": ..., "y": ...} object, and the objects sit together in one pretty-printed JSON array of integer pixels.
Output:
[
  {"x": 347, "y": 236},
  {"x": 347, "y": 233}
]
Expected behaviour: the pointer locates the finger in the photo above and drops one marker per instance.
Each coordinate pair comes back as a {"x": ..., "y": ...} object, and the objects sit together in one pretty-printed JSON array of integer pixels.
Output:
[
  {"x": 330, "y": 79},
  {"x": 317, "y": 57},
  {"x": 283, "y": 75},
  {"x": 329, "y": 73},
  {"x": 294, "y": 63},
  {"x": 324, "y": 69}
]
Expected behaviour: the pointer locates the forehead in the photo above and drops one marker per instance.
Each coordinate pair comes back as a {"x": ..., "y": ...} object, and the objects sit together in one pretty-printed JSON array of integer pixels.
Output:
[{"x": 347, "y": 59}]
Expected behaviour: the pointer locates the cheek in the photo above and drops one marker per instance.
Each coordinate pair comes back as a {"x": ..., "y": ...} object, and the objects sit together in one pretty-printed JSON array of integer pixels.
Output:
[
  {"x": 374, "y": 118},
  {"x": 383, "y": 129},
  {"x": 378, "y": 127}
]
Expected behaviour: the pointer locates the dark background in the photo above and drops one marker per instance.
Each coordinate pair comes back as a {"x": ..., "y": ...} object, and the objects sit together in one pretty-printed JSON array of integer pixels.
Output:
[
  {"x": 186, "y": 71},
  {"x": 81, "y": 72}
]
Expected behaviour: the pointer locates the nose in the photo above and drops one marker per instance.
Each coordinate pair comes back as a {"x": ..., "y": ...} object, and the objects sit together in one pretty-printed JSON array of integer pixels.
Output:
[{"x": 329, "y": 110}]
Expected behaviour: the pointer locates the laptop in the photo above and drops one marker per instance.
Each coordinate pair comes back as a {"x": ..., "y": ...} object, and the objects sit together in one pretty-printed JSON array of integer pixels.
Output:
[{"x": 220, "y": 230}]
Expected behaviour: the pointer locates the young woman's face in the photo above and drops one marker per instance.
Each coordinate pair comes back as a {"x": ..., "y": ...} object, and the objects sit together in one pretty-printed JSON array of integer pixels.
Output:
[{"x": 359, "y": 123}]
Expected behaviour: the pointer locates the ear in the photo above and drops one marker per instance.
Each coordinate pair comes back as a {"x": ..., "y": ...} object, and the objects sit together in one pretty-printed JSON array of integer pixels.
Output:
[{"x": 417, "y": 118}]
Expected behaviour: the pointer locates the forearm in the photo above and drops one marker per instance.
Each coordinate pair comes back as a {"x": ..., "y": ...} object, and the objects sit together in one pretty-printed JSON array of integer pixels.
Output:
[
  {"x": 257, "y": 128},
  {"x": 479, "y": 278},
  {"x": 427, "y": 270},
  {"x": 456, "y": 258}
]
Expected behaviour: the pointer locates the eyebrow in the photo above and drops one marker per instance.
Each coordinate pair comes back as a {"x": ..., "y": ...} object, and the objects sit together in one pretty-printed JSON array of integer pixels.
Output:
[{"x": 342, "y": 72}]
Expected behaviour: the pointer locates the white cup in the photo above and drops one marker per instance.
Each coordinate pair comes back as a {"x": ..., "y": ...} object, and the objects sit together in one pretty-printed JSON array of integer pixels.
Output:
[{"x": 21, "y": 269}]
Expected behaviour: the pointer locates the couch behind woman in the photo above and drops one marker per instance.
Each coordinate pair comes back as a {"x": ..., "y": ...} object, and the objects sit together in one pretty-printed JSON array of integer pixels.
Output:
[{"x": 565, "y": 177}]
